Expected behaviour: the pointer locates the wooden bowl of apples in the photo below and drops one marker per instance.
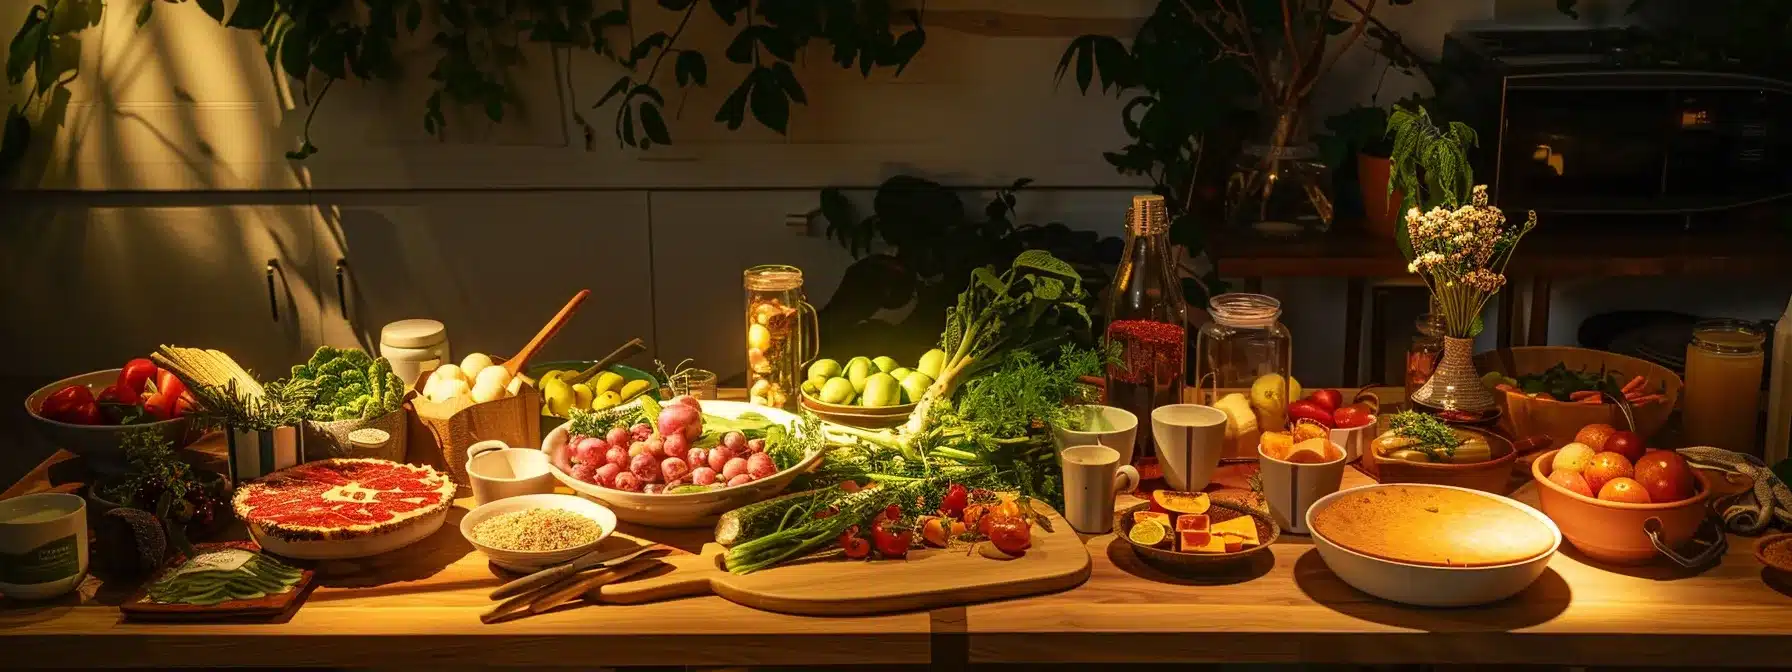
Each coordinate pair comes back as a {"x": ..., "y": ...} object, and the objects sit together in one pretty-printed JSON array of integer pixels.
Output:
[{"x": 1626, "y": 511}]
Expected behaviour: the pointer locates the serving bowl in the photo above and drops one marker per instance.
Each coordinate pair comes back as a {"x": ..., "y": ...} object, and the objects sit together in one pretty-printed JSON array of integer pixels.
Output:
[
  {"x": 1618, "y": 532},
  {"x": 690, "y": 509},
  {"x": 529, "y": 561},
  {"x": 628, "y": 373},
  {"x": 863, "y": 417},
  {"x": 1494, "y": 475},
  {"x": 1177, "y": 562},
  {"x": 1429, "y": 585},
  {"x": 1524, "y": 416},
  {"x": 98, "y": 445}
]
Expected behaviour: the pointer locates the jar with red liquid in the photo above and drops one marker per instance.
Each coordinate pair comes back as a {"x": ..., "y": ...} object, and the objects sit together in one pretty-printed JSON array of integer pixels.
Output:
[
  {"x": 1242, "y": 362},
  {"x": 1148, "y": 320}
]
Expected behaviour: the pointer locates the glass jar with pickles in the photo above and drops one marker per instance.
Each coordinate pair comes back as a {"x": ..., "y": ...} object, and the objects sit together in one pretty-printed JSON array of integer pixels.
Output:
[{"x": 779, "y": 343}]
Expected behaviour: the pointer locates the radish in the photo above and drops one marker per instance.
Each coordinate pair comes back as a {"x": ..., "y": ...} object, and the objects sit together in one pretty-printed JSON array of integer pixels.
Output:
[
  {"x": 619, "y": 436},
  {"x": 627, "y": 481},
  {"x": 589, "y": 449},
  {"x": 606, "y": 475},
  {"x": 681, "y": 419},
  {"x": 719, "y": 457},
  {"x": 703, "y": 476},
  {"x": 760, "y": 465},
  {"x": 735, "y": 441},
  {"x": 675, "y": 445},
  {"x": 756, "y": 446},
  {"x": 618, "y": 456},
  {"x": 674, "y": 468},
  {"x": 645, "y": 468},
  {"x": 734, "y": 467},
  {"x": 656, "y": 447},
  {"x": 687, "y": 400},
  {"x": 740, "y": 479}
]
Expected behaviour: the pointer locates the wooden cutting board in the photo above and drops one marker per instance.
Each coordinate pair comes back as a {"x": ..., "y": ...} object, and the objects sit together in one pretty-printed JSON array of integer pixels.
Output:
[{"x": 835, "y": 586}]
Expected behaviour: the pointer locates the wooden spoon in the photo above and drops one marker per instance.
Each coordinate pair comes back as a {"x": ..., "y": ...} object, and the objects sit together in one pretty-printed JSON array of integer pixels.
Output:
[
  {"x": 516, "y": 364},
  {"x": 627, "y": 350}
]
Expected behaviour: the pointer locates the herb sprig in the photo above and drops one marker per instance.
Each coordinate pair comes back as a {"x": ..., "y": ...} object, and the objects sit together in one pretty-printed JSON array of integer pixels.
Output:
[{"x": 1432, "y": 434}]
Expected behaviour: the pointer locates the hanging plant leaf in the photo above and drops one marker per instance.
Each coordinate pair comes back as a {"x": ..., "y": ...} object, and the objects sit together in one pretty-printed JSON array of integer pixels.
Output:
[
  {"x": 787, "y": 81},
  {"x": 691, "y": 69},
  {"x": 654, "y": 125},
  {"x": 213, "y": 8},
  {"x": 252, "y": 14},
  {"x": 770, "y": 107}
]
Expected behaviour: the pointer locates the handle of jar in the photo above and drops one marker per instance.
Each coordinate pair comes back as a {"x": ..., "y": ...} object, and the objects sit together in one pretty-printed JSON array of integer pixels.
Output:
[{"x": 811, "y": 345}]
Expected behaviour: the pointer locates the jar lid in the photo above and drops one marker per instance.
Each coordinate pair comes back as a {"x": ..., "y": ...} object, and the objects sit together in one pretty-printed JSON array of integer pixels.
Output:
[
  {"x": 414, "y": 333},
  {"x": 1245, "y": 311},
  {"x": 369, "y": 437}
]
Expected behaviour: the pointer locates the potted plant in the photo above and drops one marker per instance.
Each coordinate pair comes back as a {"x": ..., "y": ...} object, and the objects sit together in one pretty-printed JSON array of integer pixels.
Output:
[
  {"x": 1429, "y": 164},
  {"x": 189, "y": 502}
]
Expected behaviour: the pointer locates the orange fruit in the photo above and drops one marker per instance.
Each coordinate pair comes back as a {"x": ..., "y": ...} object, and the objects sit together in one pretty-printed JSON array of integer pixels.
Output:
[
  {"x": 1191, "y": 521},
  {"x": 1277, "y": 444},
  {"x": 1624, "y": 490},
  {"x": 1181, "y": 502},
  {"x": 1594, "y": 435},
  {"x": 1159, "y": 517}
]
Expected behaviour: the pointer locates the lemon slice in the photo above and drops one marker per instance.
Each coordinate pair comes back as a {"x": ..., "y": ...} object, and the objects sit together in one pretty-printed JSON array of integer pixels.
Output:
[{"x": 1148, "y": 533}]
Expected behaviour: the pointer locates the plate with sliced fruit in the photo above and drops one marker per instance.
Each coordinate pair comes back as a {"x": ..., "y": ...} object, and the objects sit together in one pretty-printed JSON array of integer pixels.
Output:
[{"x": 1183, "y": 532}]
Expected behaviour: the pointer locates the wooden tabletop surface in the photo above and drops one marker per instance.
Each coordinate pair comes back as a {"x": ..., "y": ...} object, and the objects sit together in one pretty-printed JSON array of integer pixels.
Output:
[{"x": 421, "y": 605}]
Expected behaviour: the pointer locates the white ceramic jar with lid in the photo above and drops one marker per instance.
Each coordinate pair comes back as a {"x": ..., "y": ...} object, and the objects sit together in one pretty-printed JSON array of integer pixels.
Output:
[{"x": 414, "y": 347}]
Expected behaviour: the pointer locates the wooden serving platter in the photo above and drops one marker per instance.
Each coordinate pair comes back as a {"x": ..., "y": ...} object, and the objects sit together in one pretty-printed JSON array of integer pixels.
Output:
[
  {"x": 265, "y": 608},
  {"x": 831, "y": 585}
]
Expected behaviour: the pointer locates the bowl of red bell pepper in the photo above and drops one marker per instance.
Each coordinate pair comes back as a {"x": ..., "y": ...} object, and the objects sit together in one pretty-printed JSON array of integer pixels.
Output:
[{"x": 90, "y": 414}]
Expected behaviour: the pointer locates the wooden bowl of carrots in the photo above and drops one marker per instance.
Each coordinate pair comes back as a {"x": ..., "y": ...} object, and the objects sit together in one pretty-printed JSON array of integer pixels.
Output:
[{"x": 1554, "y": 391}]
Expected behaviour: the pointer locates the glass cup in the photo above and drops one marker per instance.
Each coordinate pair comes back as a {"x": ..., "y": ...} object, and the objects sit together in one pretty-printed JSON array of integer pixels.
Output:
[{"x": 699, "y": 383}]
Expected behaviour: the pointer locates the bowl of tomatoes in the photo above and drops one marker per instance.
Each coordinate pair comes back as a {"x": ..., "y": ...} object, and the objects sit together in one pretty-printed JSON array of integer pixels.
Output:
[{"x": 90, "y": 414}]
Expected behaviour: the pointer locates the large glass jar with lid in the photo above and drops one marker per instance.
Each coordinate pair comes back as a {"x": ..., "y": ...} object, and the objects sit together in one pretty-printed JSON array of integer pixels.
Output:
[{"x": 1242, "y": 362}]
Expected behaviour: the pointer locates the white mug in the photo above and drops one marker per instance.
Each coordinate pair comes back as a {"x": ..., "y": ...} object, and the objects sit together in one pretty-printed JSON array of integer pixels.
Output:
[
  {"x": 498, "y": 471},
  {"x": 1115, "y": 428},
  {"x": 1190, "y": 439},
  {"x": 1293, "y": 487},
  {"x": 43, "y": 545},
  {"x": 1093, "y": 477}
]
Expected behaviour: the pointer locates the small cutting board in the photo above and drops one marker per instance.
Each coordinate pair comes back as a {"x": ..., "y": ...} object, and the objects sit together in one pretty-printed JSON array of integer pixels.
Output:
[
  {"x": 265, "y": 608},
  {"x": 832, "y": 585}
]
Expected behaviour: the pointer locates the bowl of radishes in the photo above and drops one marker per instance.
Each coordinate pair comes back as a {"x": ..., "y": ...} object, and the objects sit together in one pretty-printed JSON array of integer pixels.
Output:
[{"x": 682, "y": 463}]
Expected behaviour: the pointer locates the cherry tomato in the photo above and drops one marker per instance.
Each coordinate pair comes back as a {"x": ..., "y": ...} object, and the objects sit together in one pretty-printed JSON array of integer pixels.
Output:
[
  {"x": 1010, "y": 534},
  {"x": 1330, "y": 399},
  {"x": 134, "y": 374},
  {"x": 892, "y": 543},
  {"x": 856, "y": 548},
  {"x": 973, "y": 516},
  {"x": 893, "y": 512},
  {"x": 952, "y": 505}
]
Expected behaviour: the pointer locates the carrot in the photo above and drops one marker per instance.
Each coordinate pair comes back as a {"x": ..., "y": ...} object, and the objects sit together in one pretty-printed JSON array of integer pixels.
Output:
[
  {"x": 1503, "y": 387},
  {"x": 1583, "y": 395},
  {"x": 1635, "y": 385},
  {"x": 1590, "y": 401},
  {"x": 1544, "y": 396},
  {"x": 1648, "y": 399}
]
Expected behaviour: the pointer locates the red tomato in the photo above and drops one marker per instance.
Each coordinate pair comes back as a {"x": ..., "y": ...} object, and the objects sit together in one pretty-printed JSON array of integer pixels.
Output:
[
  {"x": 1011, "y": 534},
  {"x": 1350, "y": 417},
  {"x": 169, "y": 384},
  {"x": 134, "y": 374},
  {"x": 952, "y": 505},
  {"x": 892, "y": 543},
  {"x": 1330, "y": 399},
  {"x": 160, "y": 406},
  {"x": 856, "y": 548},
  {"x": 1308, "y": 409}
]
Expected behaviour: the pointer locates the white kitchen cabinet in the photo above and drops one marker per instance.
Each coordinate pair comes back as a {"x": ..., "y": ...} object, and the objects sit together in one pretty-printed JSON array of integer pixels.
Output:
[
  {"x": 492, "y": 266},
  {"x": 87, "y": 287}
]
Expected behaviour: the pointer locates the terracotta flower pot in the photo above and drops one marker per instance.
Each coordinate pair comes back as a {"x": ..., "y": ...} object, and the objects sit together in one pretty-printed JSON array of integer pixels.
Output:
[{"x": 1381, "y": 212}]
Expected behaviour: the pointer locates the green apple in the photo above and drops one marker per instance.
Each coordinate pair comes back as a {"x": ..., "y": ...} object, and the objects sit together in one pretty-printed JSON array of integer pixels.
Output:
[
  {"x": 881, "y": 390},
  {"x": 914, "y": 386},
  {"x": 837, "y": 391},
  {"x": 857, "y": 371},
  {"x": 886, "y": 364},
  {"x": 932, "y": 362}
]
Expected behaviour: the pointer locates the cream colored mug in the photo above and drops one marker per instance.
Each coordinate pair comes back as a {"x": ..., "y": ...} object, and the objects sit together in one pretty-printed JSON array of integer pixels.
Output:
[
  {"x": 498, "y": 471},
  {"x": 1093, "y": 477}
]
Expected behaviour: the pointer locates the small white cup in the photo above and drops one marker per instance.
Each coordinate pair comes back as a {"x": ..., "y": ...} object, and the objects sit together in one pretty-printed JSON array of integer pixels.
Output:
[
  {"x": 44, "y": 537},
  {"x": 1115, "y": 428},
  {"x": 498, "y": 471},
  {"x": 1293, "y": 487},
  {"x": 1093, "y": 477},
  {"x": 1190, "y": 440}
]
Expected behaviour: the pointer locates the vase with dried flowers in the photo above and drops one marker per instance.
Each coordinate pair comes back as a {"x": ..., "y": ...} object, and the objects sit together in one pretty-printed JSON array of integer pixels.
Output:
[{"x": 1461, "y": 254}]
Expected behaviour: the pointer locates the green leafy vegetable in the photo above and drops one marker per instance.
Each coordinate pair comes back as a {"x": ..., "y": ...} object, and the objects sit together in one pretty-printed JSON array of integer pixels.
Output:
[
  {"x": 1432, "y": 434},
  {"x": 1561, "y": 382},
  {"x": 350, "y": 385}
]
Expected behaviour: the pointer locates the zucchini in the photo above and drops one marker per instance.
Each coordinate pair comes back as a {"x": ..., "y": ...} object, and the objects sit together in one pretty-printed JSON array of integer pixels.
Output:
[{"x": 761, "y": 518}]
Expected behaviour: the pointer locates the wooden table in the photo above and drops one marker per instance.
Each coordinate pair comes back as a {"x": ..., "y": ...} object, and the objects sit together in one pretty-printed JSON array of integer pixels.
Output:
[
  {"x": 420, "y": 606},
  {"x": 1548, "y": 254}
]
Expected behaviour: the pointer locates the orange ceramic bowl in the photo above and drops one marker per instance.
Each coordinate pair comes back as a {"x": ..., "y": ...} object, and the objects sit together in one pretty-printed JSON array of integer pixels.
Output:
[{"x": 1613, "y": 531}]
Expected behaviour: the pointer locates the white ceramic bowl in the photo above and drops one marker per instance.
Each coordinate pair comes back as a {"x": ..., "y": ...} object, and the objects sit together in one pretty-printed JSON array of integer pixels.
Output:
[
  {"x": 529, "y": 561},
  {"x": 693, "y": 509},
  {"x": 1426, "y": 585},
  {"x": 98, "y": 444},
  {"x": 1355, "y": 441}
]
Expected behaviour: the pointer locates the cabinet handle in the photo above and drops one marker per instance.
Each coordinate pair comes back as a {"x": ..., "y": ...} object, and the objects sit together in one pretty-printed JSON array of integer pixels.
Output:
[
  {"x": 341, "y": 293},
  {"x": 273, "y": 301}
]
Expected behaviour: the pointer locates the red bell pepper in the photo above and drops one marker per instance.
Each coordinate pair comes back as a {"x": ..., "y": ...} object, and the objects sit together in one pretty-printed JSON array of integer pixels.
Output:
[
  {"x": 72, "y": 404},
  {"x": 169, "y": 384},
  {"x": 134, "y": 375},
  {"x": 160, "y": 406},
  {"x": 1308, "y": 409}
]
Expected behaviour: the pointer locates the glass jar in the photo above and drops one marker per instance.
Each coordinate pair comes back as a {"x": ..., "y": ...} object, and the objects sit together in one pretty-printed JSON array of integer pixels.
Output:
[
  {"x": 1723, "y": 385},
  {"x": 1279, "y": 186},
  {"x": 1426, "y": 349},
  {"x": 779, "y": 345},
  {"x": 1148, "y": 319},
  {"x": 414, "y": 347},
  {"x": 1242, "y": 363}
]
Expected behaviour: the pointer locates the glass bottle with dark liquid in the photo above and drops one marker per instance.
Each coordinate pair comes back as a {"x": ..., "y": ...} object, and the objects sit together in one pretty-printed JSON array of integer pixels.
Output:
[{"x": 1149, "y": 320}]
